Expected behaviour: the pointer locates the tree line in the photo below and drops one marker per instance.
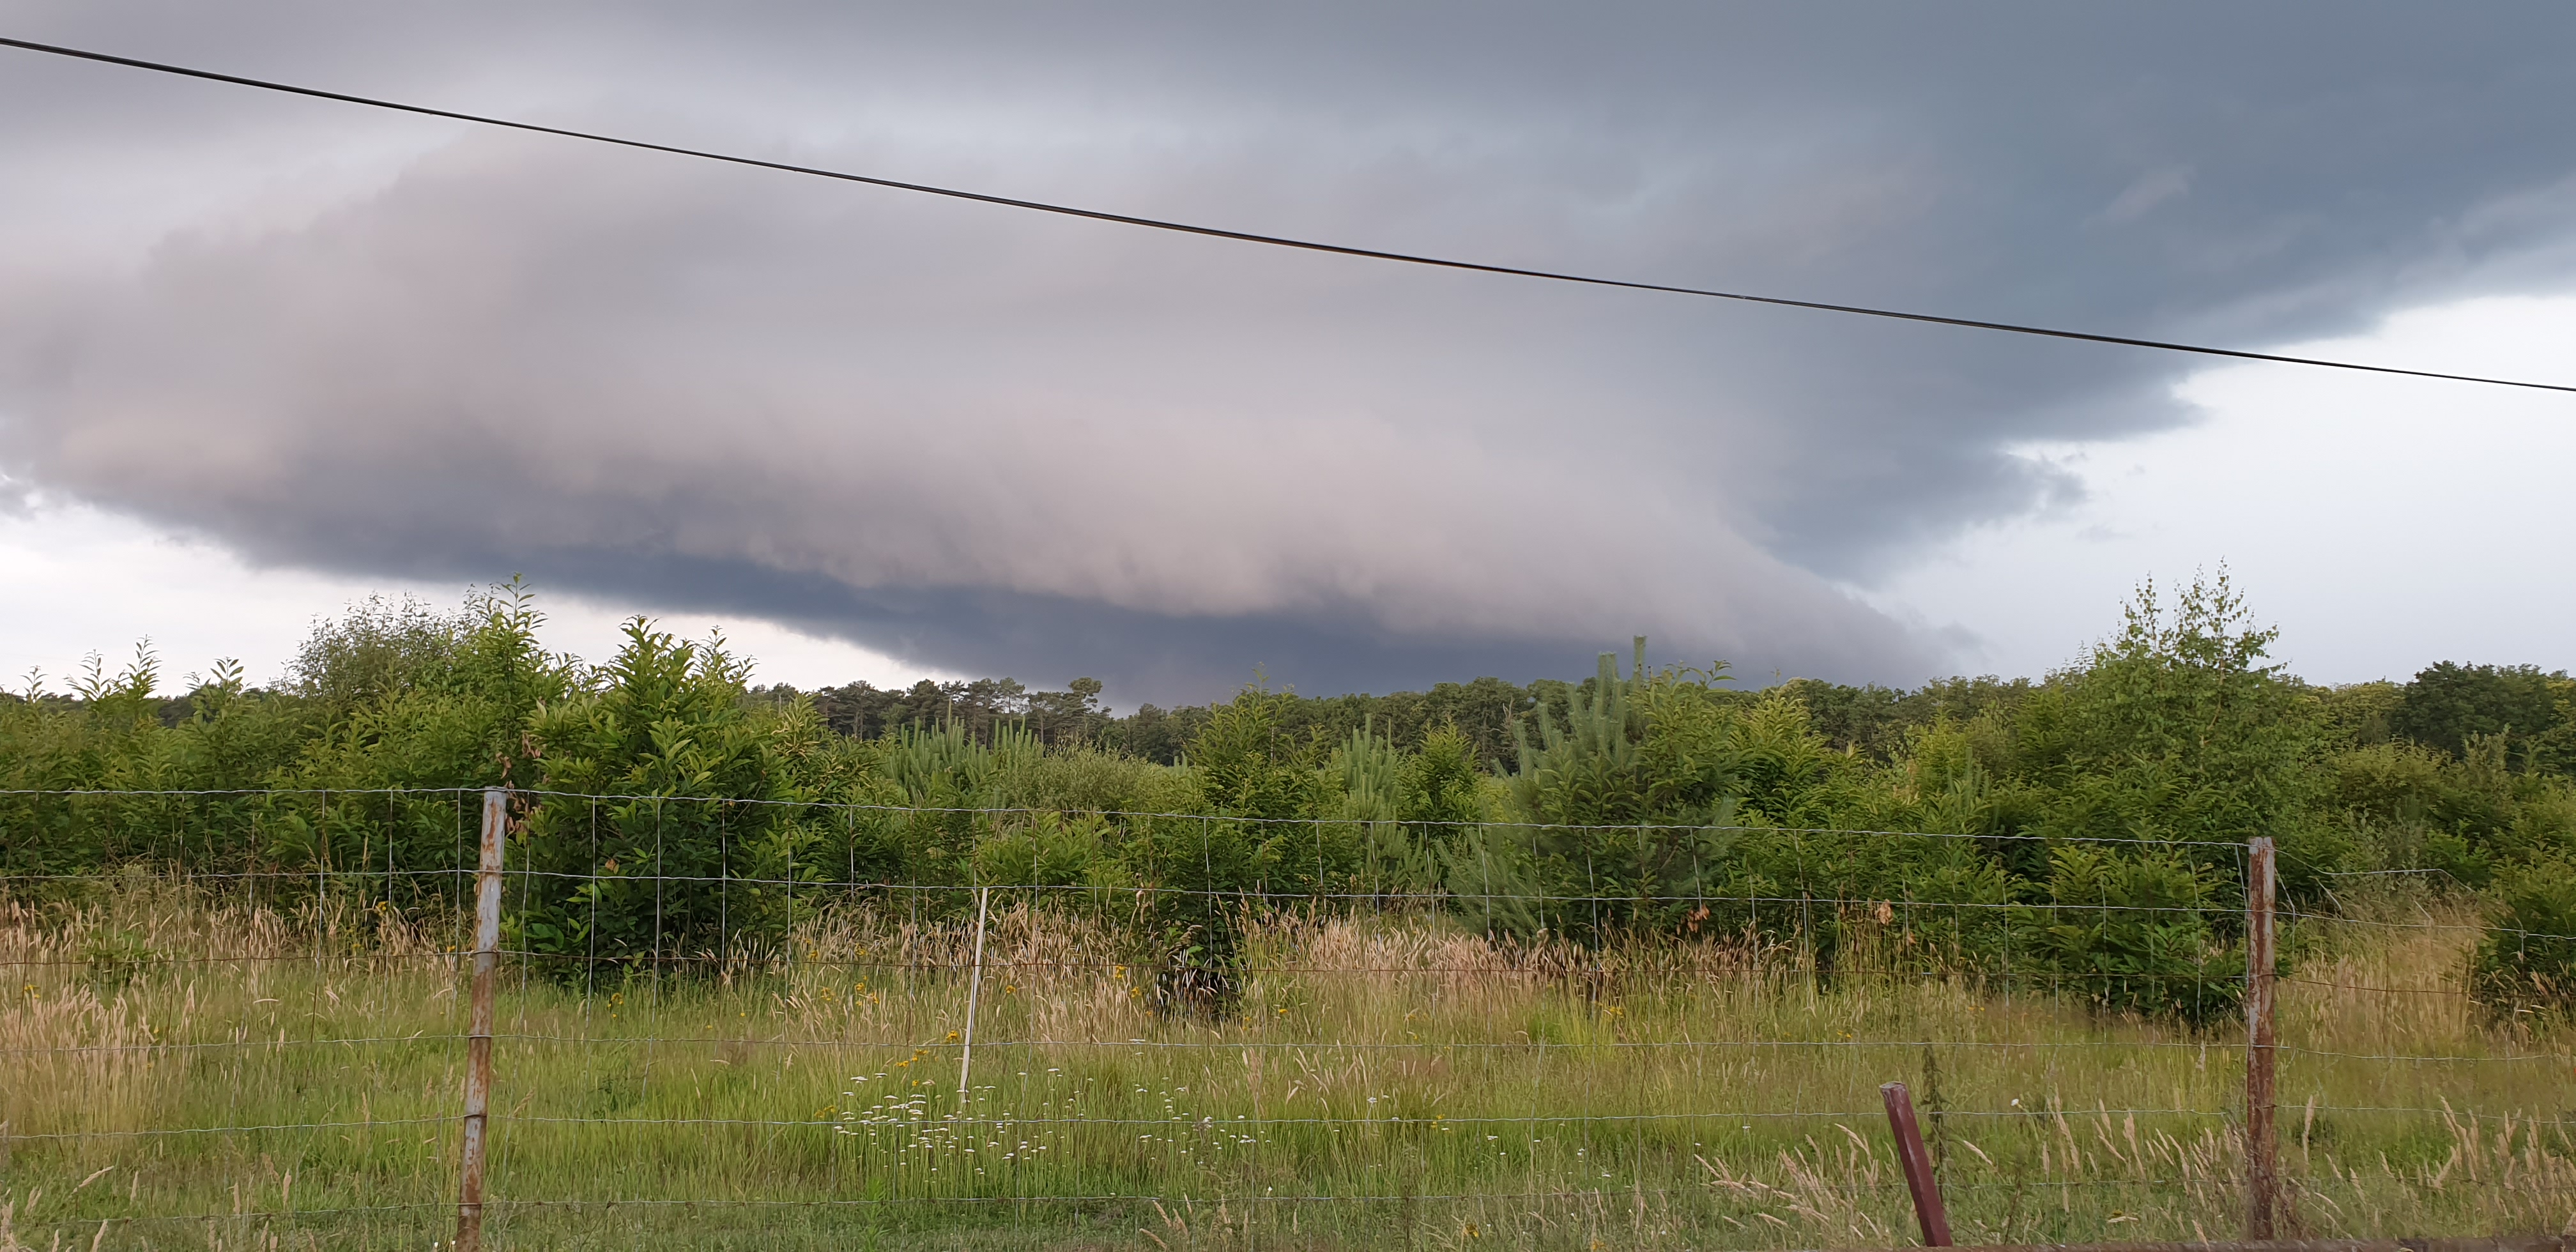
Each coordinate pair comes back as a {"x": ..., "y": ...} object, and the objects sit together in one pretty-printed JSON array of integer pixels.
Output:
[{"x": 2084, "y": 826}]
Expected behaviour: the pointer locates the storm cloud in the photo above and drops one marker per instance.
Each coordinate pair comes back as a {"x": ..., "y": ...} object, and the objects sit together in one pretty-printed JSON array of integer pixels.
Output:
[{"x": 985, "y": 440}]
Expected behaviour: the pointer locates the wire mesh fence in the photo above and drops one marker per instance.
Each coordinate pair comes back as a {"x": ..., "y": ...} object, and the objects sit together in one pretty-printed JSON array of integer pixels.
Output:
[{"x": 245, "y": 1017}]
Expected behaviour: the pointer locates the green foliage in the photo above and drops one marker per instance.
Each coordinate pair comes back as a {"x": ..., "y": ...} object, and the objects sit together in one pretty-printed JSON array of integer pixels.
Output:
[
  {"x": 1248, "y": 768},
  {"x": 979, "y": 707},
  {"x": 2408, "y": 806},
  {"x": 1785, "y": 773},
  {"x": 2129, "y": 931},
  {"x": 2359, "y": 714},
  {"x": 2525, "y": 967},
  {"x": 2081, "y": 831},
  {"x": 1624, "y": 813},
  {"x": 381, "y": 647},
  {"x": 2450, "y": 705},
  {"x": 1064, "y": 863},
  {"x": 1878, "y": 721},
  {"x": 652, "y": 875},
  {"x": 1441, "y": 789},
  {"x": 2179, "y": 728},
  {"x": 1589, "y": 772},
  {"x": 401, "y": 698}
]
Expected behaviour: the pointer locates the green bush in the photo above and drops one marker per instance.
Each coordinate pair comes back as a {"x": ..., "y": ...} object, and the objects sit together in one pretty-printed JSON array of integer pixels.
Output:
[
  {"x": 2131, "y": 931},
  {"x": 2525, "y": 966},
  {"x": 701, "y": 865},
  {"x": 1620, "y": 812}
]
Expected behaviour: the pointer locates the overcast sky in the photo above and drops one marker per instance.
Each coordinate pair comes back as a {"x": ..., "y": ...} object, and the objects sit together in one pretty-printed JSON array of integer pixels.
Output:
[{"x": 260, "y": 354}]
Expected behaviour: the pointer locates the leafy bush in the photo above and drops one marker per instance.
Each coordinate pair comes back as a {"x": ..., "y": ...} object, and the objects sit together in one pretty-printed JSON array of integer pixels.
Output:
[
  {"x": 2449, "y": 705},
  {"x": 2131, "y": 932},
  {"x": 1622, "y": 810},
  {"x": 626, "y": 881},
  {"x": 2525, "y": 966}
]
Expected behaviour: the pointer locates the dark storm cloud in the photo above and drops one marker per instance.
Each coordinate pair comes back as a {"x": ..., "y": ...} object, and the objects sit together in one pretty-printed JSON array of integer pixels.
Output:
[{"x": 989, "y": 441}]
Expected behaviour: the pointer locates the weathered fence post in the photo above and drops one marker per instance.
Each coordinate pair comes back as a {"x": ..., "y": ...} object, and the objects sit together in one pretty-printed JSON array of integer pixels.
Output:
[
  {"x": 1917, "y": 1163},
  {"x": 478, "y": 1037},
  {"x": 2262, "y": 1167},
  {"x": 974, "y": 991}
]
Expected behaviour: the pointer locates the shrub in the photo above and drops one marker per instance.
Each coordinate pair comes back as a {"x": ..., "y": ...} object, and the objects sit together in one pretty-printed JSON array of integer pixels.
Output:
[
  {"x": 630, "y": 880},
  {"x": 2130, "y": 931},
  {"x": 1623, "y": 811},
  {"x": 2525, "y": 966}
]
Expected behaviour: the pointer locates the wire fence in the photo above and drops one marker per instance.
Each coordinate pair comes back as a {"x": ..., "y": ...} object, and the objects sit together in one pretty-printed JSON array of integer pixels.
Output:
[{"x": 249, "y": 1016}]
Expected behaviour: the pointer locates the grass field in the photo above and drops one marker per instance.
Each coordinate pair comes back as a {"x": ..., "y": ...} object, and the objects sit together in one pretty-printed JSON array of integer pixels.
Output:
[{"x": 1377, "y": 1081}]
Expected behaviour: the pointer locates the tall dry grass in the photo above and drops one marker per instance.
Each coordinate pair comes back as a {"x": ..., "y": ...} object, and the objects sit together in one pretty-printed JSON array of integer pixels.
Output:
[{"x": 189, "y": 1068}]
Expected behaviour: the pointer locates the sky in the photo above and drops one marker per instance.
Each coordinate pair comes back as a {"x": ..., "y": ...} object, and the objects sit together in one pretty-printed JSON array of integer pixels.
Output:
[{"x": 264, "y": 355}]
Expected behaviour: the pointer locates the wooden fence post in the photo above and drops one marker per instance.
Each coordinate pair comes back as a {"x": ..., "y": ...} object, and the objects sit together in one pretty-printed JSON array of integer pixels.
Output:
[
  {"x": 478, "y": 1037},
  {"x": 1917, "y": 1163},
  {"x": 2262, "y": 1166}
]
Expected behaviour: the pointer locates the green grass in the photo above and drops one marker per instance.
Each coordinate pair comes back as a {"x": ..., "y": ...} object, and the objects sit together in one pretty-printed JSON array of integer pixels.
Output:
[{"x": 1381, "y": 1081}]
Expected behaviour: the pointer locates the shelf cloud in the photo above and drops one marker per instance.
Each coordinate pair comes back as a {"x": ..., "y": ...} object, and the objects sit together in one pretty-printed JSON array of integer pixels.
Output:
[{"x": 984, "y": 440}]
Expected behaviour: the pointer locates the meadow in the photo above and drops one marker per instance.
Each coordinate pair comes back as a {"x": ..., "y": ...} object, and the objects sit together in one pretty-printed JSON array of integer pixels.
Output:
[{"x": 1377, "y": 1078}]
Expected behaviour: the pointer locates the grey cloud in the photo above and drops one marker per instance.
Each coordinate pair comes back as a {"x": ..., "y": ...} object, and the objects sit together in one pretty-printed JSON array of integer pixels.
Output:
[
  {"x": 2153, "y": 188},
  {"x": 989, "y": 441}
]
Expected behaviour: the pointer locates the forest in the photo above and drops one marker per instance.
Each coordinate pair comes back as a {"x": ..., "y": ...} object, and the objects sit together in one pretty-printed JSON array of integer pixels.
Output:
[{"x": 672, "y": 799}]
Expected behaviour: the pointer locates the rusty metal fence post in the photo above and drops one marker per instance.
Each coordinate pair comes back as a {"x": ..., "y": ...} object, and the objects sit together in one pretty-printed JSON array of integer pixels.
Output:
[
  {"x": 1928, "y": 1210},
  {"x": 2262, "y": 1166},
  {"x": 478, "y": 1037}
]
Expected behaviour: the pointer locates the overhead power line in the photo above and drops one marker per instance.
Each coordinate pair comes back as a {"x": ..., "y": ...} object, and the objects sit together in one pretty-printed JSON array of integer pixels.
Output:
[{"x": 1241, "y": 236}]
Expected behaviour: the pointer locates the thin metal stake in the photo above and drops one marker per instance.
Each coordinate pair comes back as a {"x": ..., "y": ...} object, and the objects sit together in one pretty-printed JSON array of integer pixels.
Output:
[
  {"x": 1917, "y": 1163},
  {"x": 974, "y": 989},
  {"x": 2262, "y": 1167},
  {"x": 478, "y": 1037}
]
